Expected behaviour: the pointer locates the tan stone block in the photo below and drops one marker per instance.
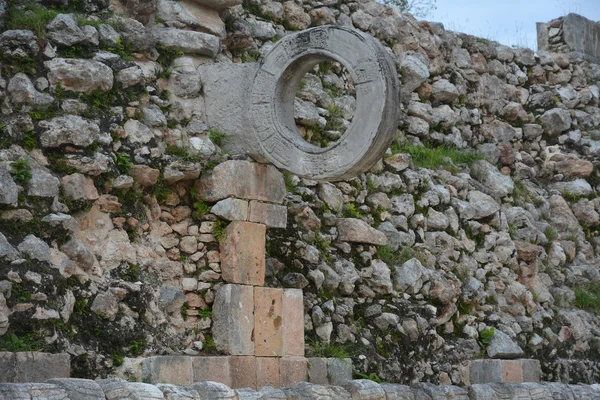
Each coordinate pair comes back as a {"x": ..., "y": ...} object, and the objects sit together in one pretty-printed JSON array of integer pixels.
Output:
[
  {"x": 512, "y": 371},
  {"x": 293, "y": 322},
  {"x": 267, "y": 372},
  {"x": 317, "y": 370},
  {"x": 243, "y": 372},
  {"x": 292, "y": 370},
  {"x": 272, "y": 215},
  {"x": 233, "y": 320},
  {"x": 176, "y": 370},
  {"x": 532, "y": 370},
  {"x": 214, "y": 369},
  {"x": 243, "y": 253},
  {"x": 268, "y": 322}
]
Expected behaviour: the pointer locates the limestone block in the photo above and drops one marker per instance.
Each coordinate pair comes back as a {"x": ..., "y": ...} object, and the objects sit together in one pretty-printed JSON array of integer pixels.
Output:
[
  {"x": 213, "y": 390},
  {"x": 219, "y": 4},
  {"x": 243, "y": 372},
  {"x": 231, "y": 209},
  {"x": 145, "y": 391},
  {"x": 357, "y": 230},
  {"x": 214, "y": 369},
  {"x": 317, "y": 370},
  {"x": 272, "y": 215},
  {"x": 292, "y": 370},
  {"x": 244, "y": 180},
  {"x": 116, "y": 389},
  {"x": 267, "y": 372},
  {"x": 233, "y": 320},
  {"x": 243, "y": 253},
  {"x": 339, "y": 370},
  {"x": 79, "y": 388},
  {"x": 504, "y": 371},
  {"x": 33, "y": 366},
  {"x": 27, "y": 391},
  {"x": 398, "y": 392},
  {"x": 268, "y": 322},
  {"x": 365, "y": 389},
  {"x": 293, "y": 322},
  {"x": 190, "y": 42},
  {"x": 171, "y": 369},
  {"x": 79, "y": 75}
]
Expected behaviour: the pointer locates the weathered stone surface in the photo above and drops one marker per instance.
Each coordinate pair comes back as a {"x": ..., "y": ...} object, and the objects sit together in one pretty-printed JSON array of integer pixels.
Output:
[
  {"x": 19, "y": 42},
  {"x": 68, "y": 129},
  {"x": 211, "y": 369},
  {"x": 79, "y": 187},
  {"x": 78, "y": 388},
  {"x": 79, "y": 75},
  {"x": 63, "y": 30},
  {"x": 292, "y": 370},
  {"x": 33, "y": 366},
  {"x": 356, "y": 230},
  {"x": 502, "y": 346},
  {"x": 339, "y": 370},
  {"x": 243, "y": 253},
  {"x": 218, "y": 4},
  {"x": 189, "y": 42},
  {"x": 244, "y": 180},
  {"x": 233, "y": 320},
  {"x": 444, "y": 91},
  {"x": 243, "y": 372},
  {"x": 581, "y": 34},
  {"x": 144, "y": 175},
  {"x": 35, "y": 248},
  {"x": 231, "y": 209},
  {"x": 171, "y": 299},
  {"x": 489, "y": 176},
  {"x": 271, "y": 215},
  {"x": 504, "y": 371},
  {"x": 365, "y": 389},
  {"x": 214, "y": 390},
  {"x": 23, "y": 92},
  {"x": 9, "y": 192},
  {"x": 317, "y": 370},
  {"x": 268, "y": 322},
  {"x": 42, "y": 183},
  {"x": 192, "y": 14},
  {"x": 556, "y": 121},
  {"x": 267, "y": 372},
  {"x": 137, "y": 132},
  {"x": 293, "y": 322},
  {"x": 172, "y": 369},
  {"x": 174, "y": 392},
  {"x": 272, "y": 137}
]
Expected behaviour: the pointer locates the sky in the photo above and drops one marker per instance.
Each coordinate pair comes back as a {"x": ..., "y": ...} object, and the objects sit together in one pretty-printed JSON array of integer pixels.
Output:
[{"x": 510, "y": 22}]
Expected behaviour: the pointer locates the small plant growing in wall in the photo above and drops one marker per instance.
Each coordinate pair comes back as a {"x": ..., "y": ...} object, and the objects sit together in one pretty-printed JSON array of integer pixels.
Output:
[
  {"x": 21, "y": 171},
  {"x": 216, "y": 136},
  {"x": 485, "y": 336},
  {"x": 123, "y": 162}
]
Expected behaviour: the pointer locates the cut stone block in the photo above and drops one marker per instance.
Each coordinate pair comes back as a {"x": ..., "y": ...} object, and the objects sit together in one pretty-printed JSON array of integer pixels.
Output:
[
  {"x": 243, "y": 372},
  {"x": 244, "y": 180},
  {"x": 339, "y": 370},
  {"x": 268, "y": 322},
  {"x": 365, "y": 389},
  {"x": 292, "y": 370},
  {"x": 215, "y": 369},
  {"x": 78, "y": 388},
  {"x": 272, "y": 215},
  {"x": 243, "y": 253},
  {"x": 170, "y": 369},
  {"x": 231, "y": 209},
  {"x": 293, "y": 322},
  {"x": 267, "y": 372},
  {"x": 213, "y": 390},
  {"x": 317, "y": 370},
  {"x": 25, "y": 367},
  {"x": 233, "y": 320},
  {"x": 504, "y": 371}
]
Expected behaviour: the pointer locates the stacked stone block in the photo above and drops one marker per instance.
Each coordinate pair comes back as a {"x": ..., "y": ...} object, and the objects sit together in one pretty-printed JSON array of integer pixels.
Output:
[{"x": 260, "y": 328}]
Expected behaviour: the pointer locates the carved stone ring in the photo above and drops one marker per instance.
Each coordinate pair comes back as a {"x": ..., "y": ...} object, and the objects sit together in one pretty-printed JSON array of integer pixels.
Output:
[{"x": 269, "y": 131}]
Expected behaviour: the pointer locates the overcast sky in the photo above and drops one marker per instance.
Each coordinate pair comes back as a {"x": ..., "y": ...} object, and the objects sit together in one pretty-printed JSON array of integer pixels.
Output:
[{"x": 510, "y": 22}]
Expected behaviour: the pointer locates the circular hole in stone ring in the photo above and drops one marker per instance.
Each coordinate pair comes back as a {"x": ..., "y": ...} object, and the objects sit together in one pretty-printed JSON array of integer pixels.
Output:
[{"x": 373, "y": 126}]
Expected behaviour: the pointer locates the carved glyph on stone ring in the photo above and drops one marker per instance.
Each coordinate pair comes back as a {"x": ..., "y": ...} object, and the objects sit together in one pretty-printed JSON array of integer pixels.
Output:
[{"x": 269, "y": 105}]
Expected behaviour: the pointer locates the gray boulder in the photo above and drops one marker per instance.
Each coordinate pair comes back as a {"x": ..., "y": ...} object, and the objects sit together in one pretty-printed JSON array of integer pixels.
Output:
[
  {"x": 63, "y": 30},
  {"x": 68, "y": 129},
  {"x": 35, "y": 248},
  {"x": 9, "y": 192},
  {"x": 556, "y": 121},
  {"x": 79, "y": 75},
  {"x": 19, "y": 42},
  {"x": 502, "y": 346},
  {"x": 22, "y": 92}
]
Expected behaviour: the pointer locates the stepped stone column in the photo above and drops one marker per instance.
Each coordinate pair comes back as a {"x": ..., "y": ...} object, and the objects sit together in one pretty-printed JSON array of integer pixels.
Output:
[{"x": 261, "y": 328}]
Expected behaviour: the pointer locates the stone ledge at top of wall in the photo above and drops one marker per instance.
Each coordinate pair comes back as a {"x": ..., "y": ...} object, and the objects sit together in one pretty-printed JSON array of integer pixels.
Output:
[
  {"x": 244, "y": 180},
  {"x": 189, "y": 42}
]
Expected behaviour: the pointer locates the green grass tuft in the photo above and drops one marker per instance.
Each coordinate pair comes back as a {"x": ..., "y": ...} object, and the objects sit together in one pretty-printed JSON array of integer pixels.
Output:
[
  {"x": 441, "y": 157},
  {"x": 588, "y": 298}
]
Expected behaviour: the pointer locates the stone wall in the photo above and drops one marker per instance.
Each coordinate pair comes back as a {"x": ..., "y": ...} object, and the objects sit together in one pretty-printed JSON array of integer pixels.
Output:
[
  {"x": 474, "y": 237},
  {"x": 570, "y": 33}
]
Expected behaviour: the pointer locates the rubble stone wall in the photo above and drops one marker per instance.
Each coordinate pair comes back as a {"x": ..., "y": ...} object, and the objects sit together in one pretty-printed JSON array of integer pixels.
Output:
[{"x": 475, "y": 236}]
